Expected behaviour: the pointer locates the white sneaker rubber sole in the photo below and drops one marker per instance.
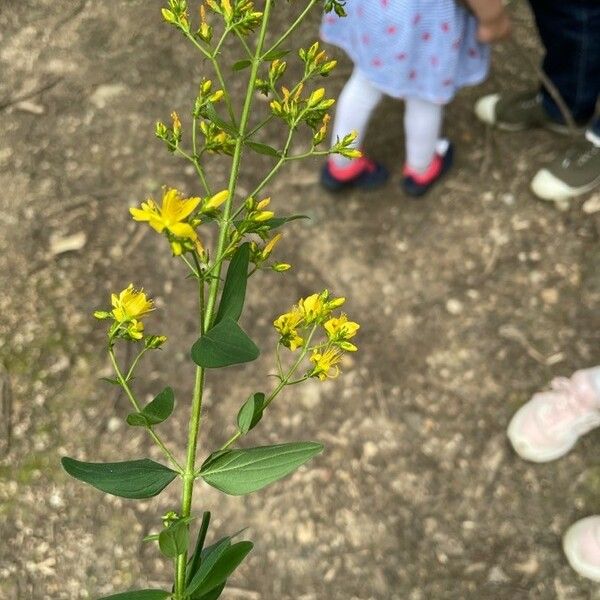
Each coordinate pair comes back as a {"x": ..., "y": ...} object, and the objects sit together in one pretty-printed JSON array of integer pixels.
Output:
[
  {"x": 571, "y": 549},
  {"x": 528, "y": 452},
  {"x": 547, "y": 186}
]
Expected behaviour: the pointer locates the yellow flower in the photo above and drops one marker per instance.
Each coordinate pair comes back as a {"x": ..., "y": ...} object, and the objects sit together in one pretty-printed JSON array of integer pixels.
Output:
[
  {"x": 130, "y": 305},
  {"x": 135, "y": 329},
  {"x": 326, "y": 364},
  {"x": 340, "y": 330},
  {"x": 312, "y": 307},
  {"x": 317, "y": 307},
  {"x": 287, "y": 325},
  {"x": 170, "y": 216}
]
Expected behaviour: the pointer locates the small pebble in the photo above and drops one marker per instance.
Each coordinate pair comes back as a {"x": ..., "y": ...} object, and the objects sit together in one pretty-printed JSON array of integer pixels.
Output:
[{"x": 454, "y": 306}]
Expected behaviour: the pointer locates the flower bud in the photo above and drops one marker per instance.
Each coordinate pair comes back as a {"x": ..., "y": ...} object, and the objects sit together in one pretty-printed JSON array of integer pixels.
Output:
[
  {"x": 216, "y": 96},
  {"x": 263, "y": 204},
  {"x": 168, "y": 16},
  {"x": 281, "y": 267},
  {"x": 160, "y": 130},
  {"x": 216, "y": 201},
  {"x": 102, "y": 314},
  {"x": 265, "y": 215},
  {"x": 153, "y": 342},
  {"x": 328, "y": 67},
  {"x": 316, "y": 97}
]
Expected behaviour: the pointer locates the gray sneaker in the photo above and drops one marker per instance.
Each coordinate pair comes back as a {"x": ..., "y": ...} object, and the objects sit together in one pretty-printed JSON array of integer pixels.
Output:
[
  {"x": 576, "y": 172},
  {"x": 516, "y": 112}
]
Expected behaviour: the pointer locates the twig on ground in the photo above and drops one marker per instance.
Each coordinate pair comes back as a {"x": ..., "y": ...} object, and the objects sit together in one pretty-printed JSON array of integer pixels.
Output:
[
  {"x": 44, "y": 88},
  {"x": 510, "y": 332}
]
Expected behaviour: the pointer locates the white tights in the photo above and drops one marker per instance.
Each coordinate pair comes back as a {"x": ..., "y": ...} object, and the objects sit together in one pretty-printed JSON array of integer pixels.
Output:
[{"x": 422, "y": 121}]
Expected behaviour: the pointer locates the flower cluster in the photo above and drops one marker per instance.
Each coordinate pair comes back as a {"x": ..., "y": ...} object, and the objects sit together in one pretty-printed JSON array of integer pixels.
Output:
[
  {"x": 178, "y": 217},
  {"x": 298, "y": 326},
  {"x": 205, "y": 98},
  {"x": 316, "y": 62},
  {"x": 240, "y": 15},
  {"x": 290, "y": 106},
  {"x": 128, "y": 308}
]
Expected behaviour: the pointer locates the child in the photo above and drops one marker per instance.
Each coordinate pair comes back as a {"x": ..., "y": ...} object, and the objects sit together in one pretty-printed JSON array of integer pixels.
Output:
[{"x": 420, "y": 50}]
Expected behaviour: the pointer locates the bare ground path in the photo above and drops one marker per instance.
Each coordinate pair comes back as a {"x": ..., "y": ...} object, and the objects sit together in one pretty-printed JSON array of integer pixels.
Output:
[{"x": 470, "y": 300}]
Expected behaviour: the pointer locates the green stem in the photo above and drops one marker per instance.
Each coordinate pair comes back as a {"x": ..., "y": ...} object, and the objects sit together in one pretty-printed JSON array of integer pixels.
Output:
[
  {"x": 196, "y": 159},
  {"x": 258, "y": 127},
  {"x": 236, "y": 160},
  {"x": 191, "y": 267},
  {"x": 278, "y": 164},
  {"x": 134, "y": 364},
  {"x": 244, "y": 44},
  {"x": 217, "y": 68},
  {"x": 292, "y": 27},
  {"x": 283, "y": 382},
  {"x": 193, "y": 432},
  {"x": 138, "y": 409}
]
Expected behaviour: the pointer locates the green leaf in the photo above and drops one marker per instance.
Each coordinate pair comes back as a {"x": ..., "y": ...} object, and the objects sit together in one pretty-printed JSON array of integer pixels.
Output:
[
  {"x": 251, "y": 412},
  {"x": 274, "y": 54},
  {"x": 160, "y": 409},
  {"x": 213, "y": 594},
  {"x": 240, "y": 65},
  {"x": 223, "y": 567},
  {"x": 139, "y": 595},
  {"x": 223, "y": 345},
  {"x": 275, "y": 222},
  {"x": 111, "y": 381},
  {"x": 234, "y": 289},
  {"x": 213, "y": 116},
  {"x": 244, "y": 471},
  {"x": 129, "y": 479},
  {"x": 174, "y": 540},
  {"x": 196, "y": 558},
  {"x": 137, "y": 420},
  {"x": 155, "y": 412},
  {"x": 263, "y": 149},
  {"x": 210, "y": 556}
]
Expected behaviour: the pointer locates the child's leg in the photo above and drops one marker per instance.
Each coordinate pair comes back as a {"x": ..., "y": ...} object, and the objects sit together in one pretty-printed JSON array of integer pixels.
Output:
[
  {"x": 427, "y": 156},
  {"x": 422, "y": 127},
  {"x": 354, "y": 108}
]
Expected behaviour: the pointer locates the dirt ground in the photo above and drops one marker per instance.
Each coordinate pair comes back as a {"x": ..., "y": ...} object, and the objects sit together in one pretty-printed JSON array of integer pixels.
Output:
[{"x": 470, "y": 300}]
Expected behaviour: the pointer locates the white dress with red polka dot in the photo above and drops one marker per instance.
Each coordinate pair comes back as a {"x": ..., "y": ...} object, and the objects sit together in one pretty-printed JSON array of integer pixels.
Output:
[{"x": 426, "y": 49}]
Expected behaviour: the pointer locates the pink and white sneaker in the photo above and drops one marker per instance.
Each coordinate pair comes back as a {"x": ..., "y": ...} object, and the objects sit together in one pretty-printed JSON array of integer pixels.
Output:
[
  {"x": 581, "y": 544},
  {"x": 549, "y": 425}
]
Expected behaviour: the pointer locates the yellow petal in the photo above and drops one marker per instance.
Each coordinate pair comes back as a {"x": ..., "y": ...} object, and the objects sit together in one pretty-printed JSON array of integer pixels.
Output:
[
  {"x": 183, "y": 230},
  {"x": 216, "y": 200}
]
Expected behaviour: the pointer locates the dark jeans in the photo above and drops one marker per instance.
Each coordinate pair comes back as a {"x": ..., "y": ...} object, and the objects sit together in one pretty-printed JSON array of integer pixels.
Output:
[{"x": 570, "y": 33}]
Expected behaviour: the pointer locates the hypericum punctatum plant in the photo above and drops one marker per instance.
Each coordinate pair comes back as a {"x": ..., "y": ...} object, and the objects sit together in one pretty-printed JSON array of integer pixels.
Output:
[{"x": 312, "y": 336}]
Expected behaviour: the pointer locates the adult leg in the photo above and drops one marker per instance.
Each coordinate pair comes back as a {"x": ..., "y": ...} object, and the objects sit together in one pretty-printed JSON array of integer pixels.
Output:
[{"x": 570, "y": 33}]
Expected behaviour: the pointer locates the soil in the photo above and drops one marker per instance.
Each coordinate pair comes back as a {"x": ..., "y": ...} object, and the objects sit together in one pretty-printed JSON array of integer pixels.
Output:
[{"x": 470, "y": 300}]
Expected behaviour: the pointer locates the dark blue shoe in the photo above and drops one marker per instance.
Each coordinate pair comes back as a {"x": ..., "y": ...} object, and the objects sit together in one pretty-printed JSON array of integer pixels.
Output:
[
  {"x": 417, "y": 185},
  {"x": 361, "y": 173}
]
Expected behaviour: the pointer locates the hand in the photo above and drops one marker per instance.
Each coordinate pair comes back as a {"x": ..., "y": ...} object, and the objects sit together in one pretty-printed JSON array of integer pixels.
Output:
[{"x": 494, "y": 30}]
